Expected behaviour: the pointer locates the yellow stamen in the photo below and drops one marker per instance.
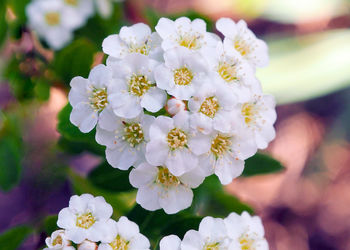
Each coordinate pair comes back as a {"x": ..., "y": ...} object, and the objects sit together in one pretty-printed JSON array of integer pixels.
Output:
[
  {"x": 85, "y": 220},
  {"x": 52, "y": 18},
  {"x": 139, "y": 84},
  {"x": 177, "y": 139},
  {"x": 183, "y": 76},
  {"x": 210, "y": 106}
]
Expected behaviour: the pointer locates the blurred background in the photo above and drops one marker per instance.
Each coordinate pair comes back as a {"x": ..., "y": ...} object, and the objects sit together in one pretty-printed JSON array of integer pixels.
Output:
[{"x": 307, "y": 206}]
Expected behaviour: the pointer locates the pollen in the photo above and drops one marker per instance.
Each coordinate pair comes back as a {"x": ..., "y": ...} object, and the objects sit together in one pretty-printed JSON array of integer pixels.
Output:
[
  {"x": 72, "y": 2},
  {"x": 190, "y": 41},
  {"x": 177, "y": 139},
  {"x": 210, "y": 106},
  {"x": 98, "y": 99},
  {"x": 227, "y": 71},
  {"x": 242, "y": 47},
  {"x": 85, "y": 220},
  {"x": 246, "y": 243},
  {"x": 133, "y": 134},
  {"x": 213, "y": 246},
  {"x": 166, "y": 179},
  {"x": 52, "y": 18},
  {"x": 249, "y": 112},
  {"x": 183, "y": 76},
  {"x": 139, "y": 85},
  {"x": 57, "y": 241},
  {"x": 143, "y": 49},
  {"x": 220, "y": 145},
  {"x": 119, "y": 243}
]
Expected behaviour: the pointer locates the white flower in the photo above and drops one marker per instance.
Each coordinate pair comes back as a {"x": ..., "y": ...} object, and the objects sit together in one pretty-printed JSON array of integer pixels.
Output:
[
  {"x": 239, "y": 38},
  {"x": 125, "y": 236},
  {"x": 137, "y": 38},
  {"x": 85, "y": 218},
  {"x": 247, "y": 232},
  {"x": 82, "y": 9},
  {"x": 158, "y": 188},
  {"x": 170, "y": 242},
  {"x": 223, "y": 154},
  {"x": 232, "y": 72},
  {"x": 210, "y": 109},
  {"x": 175, "y": 106},
  {"x": 168, "y": 145},
  {"x": 185, "y": 33},
  {"x": 212, "y": 234},
  {"x": 88, "y": 97},
  {"x": 52, "y": 21},
  {"x": 58, "y": 241},
  {"x": 125, "y": 138},
  {"x": 259, "y": 115},
  {"x": 181, "y": 73},
  {"x": 87, "y": 245},
  {"x": 135, "y": 87}
]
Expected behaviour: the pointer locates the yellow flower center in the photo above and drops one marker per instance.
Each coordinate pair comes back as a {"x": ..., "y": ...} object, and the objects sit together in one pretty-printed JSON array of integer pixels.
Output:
[
  {"x": 190, "y": 41},
  {"x": 57, "y": 241},
  {"x": 210, "y": 106},
  {"x": 72, "y": 2},
  {"x": 220, "y": 145},
  {"x": 249, "y": 112},
  {"x": 166, "y": 179},
  {"x": 242, "y": 47},
  {"x": 52, "y": 18},
  {"x": 227, "y": 71},
  {"x": 119, "y": 243},
  {"x": 177, "y": 139},
  {"x": 133, "y": 134},
  {"x": 246, "y": 243},
  {"x": 183, "y": 76},
  {"x": 213, "y": 246},
  {"x": 85, "y": 220},
  {"x": 139, "y": 85},
  {"x": 98, "y": 99},
  {"x": 143, "y": 49}
]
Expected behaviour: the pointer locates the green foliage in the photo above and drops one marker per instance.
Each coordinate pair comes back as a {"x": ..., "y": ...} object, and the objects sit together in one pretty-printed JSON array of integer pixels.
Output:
[
  {"x": 11, "y": 239},
  {"x": 50, "y": 224},
  {"x": 261, "y": 164},
  {"x": 42, "y": 90},
  {"x": 3, "y": 23}
]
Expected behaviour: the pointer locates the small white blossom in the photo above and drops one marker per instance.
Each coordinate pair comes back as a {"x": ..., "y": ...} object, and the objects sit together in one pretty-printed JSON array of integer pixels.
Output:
[
  {"x": 135, "y": 88},
  {"x": 159, "y": 188},
  {"x": 125, "y": 236},
  {"x": 87, "y": 245},
  {"x": 247, "y": 232},
  {"x": 125, "y": 138},
  {"x": 181, "y": 74},
  {"x": 168, "y": 145},
  {"x": 239, "y": 38},
  {"x": 88, "y": 97},
  {"x": 175, "y": 106},
  {"x": 137, "y": 38},
  {"x": 85, "y": 218},
  {"x": 170, "y": 242},
  {"x": 82, "y": 9},
  {"x": 185, "y": 33},
  {"x": 58, "y": 241}
]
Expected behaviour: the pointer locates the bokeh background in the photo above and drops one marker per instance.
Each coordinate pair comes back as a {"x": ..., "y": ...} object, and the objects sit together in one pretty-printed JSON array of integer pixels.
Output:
[{"x": 307, "y": 206}]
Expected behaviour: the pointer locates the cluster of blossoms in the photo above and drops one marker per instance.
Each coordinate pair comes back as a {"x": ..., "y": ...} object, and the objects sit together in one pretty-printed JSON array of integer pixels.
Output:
[
  {"x": 87, "y": 223},
  {"x": 214, "y": 114},
  {"x": 55, "y": 20}
]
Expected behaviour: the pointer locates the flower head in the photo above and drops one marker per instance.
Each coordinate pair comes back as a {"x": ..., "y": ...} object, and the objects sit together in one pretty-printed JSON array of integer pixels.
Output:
[{"x": 58, "y": 241}]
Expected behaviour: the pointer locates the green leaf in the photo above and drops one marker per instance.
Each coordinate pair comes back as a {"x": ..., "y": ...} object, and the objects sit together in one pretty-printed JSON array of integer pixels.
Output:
[
  {"x": 74, "y": 60},
  {"x": 50, "y": 224},
  {"x": 42, "y": 90},
  {"x": 12, "y": 238},
  {"x": 308, "y": 66},
  {"x": 18, "y": 7},
  {"x": 3, "y": 23},
  {"x": 261, "y": 164},
  {"x": 108, "y": 178}
]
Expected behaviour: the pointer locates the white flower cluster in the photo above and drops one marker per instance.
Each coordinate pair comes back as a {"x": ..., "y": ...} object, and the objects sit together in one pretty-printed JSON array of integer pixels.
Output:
[
  {"x": 235, "y": 232},
  {"x": 87, "y": 223},
  {"x": 214, "y": 113}
]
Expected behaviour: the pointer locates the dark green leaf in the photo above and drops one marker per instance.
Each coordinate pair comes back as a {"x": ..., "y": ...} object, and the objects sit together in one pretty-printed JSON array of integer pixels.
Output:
[
  {"x": 18, "y": 7},
  {"x": 42, "y": 90},
  {"x": 3, "y": 24},
  {"x": 109, "y": 178},
  {"x": 261, "y": 164},
  {"x": 12, "y": 238},
  {"x": 50, "y": 224}
]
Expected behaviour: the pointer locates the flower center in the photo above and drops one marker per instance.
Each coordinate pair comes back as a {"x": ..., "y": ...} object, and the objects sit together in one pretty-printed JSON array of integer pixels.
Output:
[
  {"x": 246, "y": 243},
  {"x": 143, "y": 49},
  {"x": 189, "y": 41},
  {"x": 227, "y": 71},
  {"x": 220, "y": 145},
  {"x": 57, "y": 241},
  {"x": 98, "y": 99},
  {"x": 166, "y": 179},
  {"x": 210, "y": 106},
  {"x": 85, "y": 220},
  {"x": 119, "y": 243},
  {"x": 133, "y": 134},
  {"x": 52, "y": 18},
  {"x": 177, "y": 139},
  {"x": 249, "y": 112},
  {"x": 242, "y": 47},
  {"x": 213, "y": 246},
  {"x": 139, "y": 85},
  {"x": 183, "y": 76},
  {"x": 71, "y": 2}
]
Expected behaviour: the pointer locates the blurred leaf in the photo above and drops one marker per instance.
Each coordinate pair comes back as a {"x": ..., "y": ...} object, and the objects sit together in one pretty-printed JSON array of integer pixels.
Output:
[
  {"x": 182, "y": 225},
  {"x": 3, "y": 24},
  {"x": 261, "y": 164},
  {"x": 72, "y": 134},
  {"x": 12, "y": 238},
  {"x": 108, "y": 178},
  {"x": 307, "y": 66},
  {"x": 74, "y": 60},
  {"x": 18, "y": 7},
  {"x": 42, "y": 90},
  {"x": 50, "y": 224}
]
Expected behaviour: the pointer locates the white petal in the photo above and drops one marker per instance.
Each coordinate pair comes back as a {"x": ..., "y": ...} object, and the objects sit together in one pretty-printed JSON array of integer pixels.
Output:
[
  {"x": 125, "y": 105},
  {"x": 153, "y": 100},
  {"x": 170, "y": 242},
  {"x": 105, "y": 138},
  {"x": 112, "y": 45},
  {"x": 77, "y": 234},
  {"x": 66, "y": 219},
  {"x": 228, "y": 169},
  {"x": 147, "y": 197},
  {"x": 142, "y": 175},
  {"x": 176, "y": 199},
  {"x": 165, "y": 27},
  {"x": 192, "y": 241},
  {"x": 100, "y": 76},
  {"x": 84, "y": 117},
  {"x": 101, "y": 209},
  {"x": 192, "y": 178},
  {"x": 157, "y": 152},
  {"x": 227, "y": 27},
  {"x": 121, "y": 158},
  {"x": 181, "y": 161}
]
